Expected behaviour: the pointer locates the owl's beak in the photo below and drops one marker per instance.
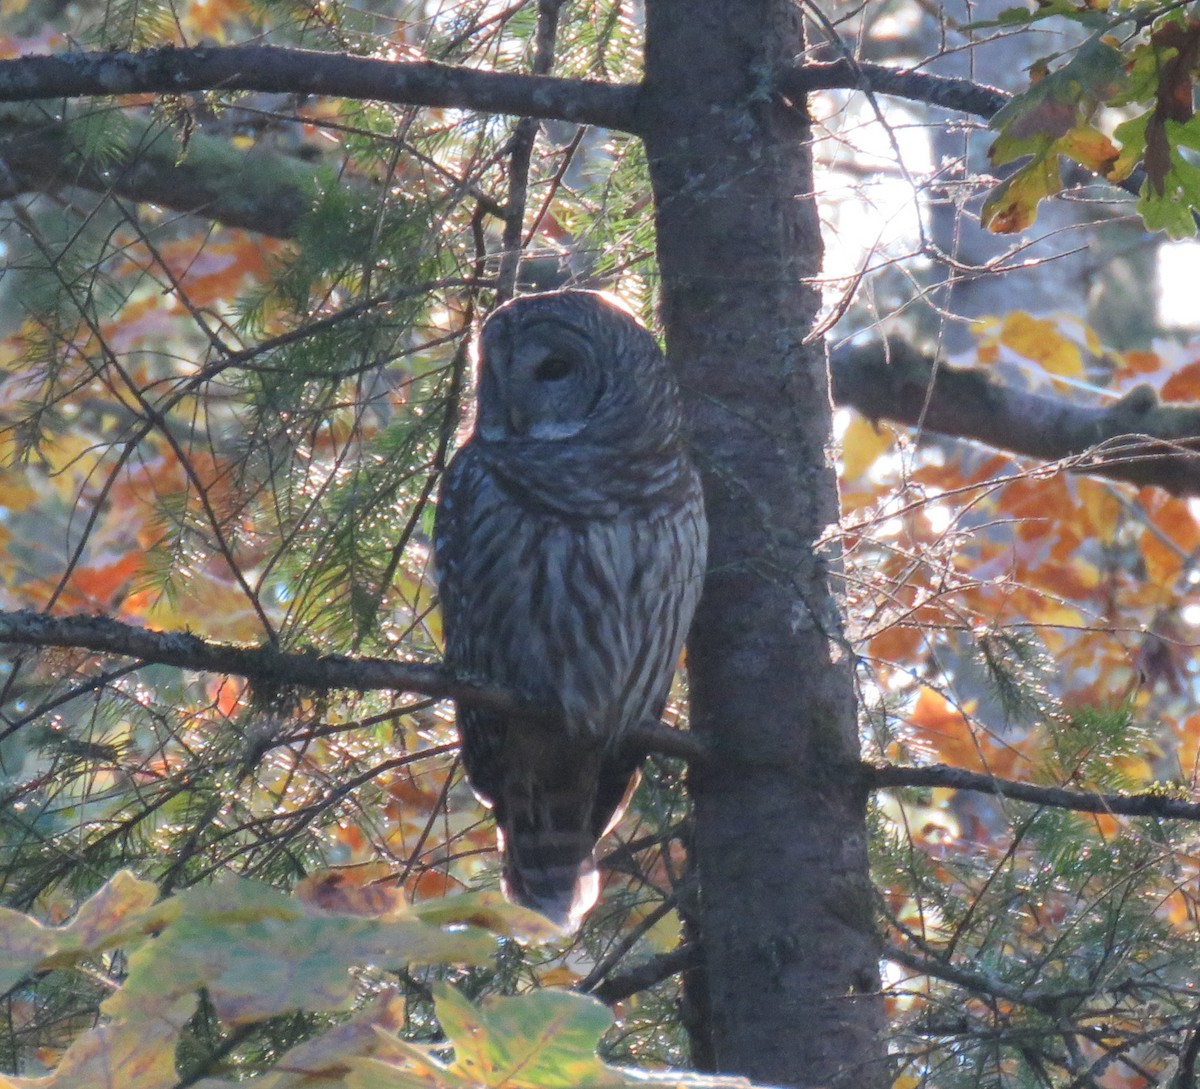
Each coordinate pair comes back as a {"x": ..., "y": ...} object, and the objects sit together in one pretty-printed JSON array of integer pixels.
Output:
[
  {"x": 518, "y": 420},
  {"x": 498, "y": 420}
]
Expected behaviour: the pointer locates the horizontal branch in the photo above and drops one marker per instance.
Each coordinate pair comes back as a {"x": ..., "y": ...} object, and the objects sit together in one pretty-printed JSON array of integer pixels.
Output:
[
  {"x": 276, "y": 69},
  {"x": 1137, "y": 439},
  {"x": 1082, "y": 801},
  {"x": 283, "y": 70},
  {"x": 271, "y": 668},
  {"x": 959, "y": 95},
  {"x": 215, "y": 180},
  {"x": 973, "y": 979},
  {"x": 646, "y": 973}
]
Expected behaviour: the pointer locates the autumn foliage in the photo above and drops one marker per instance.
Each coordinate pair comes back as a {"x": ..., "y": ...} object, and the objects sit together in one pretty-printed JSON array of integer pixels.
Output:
[{"x": 238, "y": 433}]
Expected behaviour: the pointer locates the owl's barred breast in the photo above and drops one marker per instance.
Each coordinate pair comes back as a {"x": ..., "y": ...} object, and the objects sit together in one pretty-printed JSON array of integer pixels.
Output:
[{"x": 581, "y": 615}]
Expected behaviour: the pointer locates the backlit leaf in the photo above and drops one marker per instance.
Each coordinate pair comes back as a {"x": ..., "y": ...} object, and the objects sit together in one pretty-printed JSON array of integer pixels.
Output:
[
  {"x": 260, "y": 952},
  {"x": 863, "y": 443},
  {"x": 1041, "y": 341}
]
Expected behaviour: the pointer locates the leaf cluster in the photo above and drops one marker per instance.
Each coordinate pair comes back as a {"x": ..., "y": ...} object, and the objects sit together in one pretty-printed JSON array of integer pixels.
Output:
[
  {"x": 1136, "y": 71},
  {"x": 256, "y": 955}
]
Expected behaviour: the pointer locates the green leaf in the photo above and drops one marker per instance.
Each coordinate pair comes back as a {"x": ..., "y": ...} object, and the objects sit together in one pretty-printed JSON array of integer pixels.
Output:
[
  {"x": 543, "y": 1040},
  {"x": 1058, "y": 101},
  {"x": 1131, "y": 135},
  {"x": 1173, "y": 210},
  {"x": 113, "y": 916},
  {"x": 492, "y": 911},
  {"x": 1046, "y": 9},
  {"x": 260, "y": 952},
  {"x": 547, "y": 1038}
]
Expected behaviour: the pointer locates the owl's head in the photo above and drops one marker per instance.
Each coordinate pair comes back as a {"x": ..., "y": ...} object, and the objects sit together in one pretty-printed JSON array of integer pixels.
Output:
[{"x": 564, "y": 364}]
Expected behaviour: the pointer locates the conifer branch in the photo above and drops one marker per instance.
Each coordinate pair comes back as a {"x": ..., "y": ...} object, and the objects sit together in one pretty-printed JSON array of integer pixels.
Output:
[
  {"x": 277, "y": 69},
  {"x": 1149, "y": 804},
  {"x": 959, "y": 95},
  {"x": 269, "y": 668},
  {"x": 645, "y": 974}
]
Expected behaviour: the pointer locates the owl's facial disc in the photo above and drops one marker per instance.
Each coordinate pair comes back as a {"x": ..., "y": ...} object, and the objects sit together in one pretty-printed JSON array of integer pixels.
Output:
[{"x": 544, "y": 387}]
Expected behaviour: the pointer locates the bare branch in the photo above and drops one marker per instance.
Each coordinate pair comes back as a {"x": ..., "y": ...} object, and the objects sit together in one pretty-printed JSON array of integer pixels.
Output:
[
  {"x": 520, "y": 157},
  {"x": 1136, "y": 439},
  {"x": 276, "y": 69},
  {"x": 645, "y": 974},
  {"x": 959, "y": 95},
  {"x": 1152, "y": 804},
  {"x": 268, "y": 667},
  {"x": 973, "y": 980}
]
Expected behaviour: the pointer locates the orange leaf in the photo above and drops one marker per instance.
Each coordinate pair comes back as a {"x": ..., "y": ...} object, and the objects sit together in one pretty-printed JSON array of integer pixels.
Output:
[
  {"x": 1183, "y": 385},
  {"x": 101, "y": 583},
  {"x": 1135, "y": 362},
  {"x": 946, "y": 730},
  {"x": 898, "y": 643}
]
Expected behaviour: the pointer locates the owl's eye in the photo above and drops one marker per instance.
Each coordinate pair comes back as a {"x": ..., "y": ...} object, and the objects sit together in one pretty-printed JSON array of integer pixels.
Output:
[{"x": 553, "y": 369}]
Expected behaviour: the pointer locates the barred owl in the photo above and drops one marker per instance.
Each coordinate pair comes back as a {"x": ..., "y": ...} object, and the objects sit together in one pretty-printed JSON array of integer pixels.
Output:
[{"x": 570, "y": 544}]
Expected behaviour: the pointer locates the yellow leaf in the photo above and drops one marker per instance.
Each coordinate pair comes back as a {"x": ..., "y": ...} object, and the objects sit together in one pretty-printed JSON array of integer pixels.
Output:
[
  {"x": 1055, "y": 614},
  {"x": 559, "y": 976},
  {"x": 1041, "y": 341},
  {"x": 16, "y": 493},
  {"x": 136, "y": 1054},
  {"x": 1012, "y": 205},
  {"x": 862, "y": 445},
  {"x": 1090, "y": 147},
  {"x": 1103, "y": 509}
]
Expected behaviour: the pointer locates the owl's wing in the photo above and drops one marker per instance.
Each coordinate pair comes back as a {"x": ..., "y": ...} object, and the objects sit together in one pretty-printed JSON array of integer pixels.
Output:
[{"x": 451, "y": 533}]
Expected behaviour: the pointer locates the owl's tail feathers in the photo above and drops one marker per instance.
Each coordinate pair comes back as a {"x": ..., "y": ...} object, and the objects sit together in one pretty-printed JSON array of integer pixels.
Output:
[{"x": 551, "y": 871}]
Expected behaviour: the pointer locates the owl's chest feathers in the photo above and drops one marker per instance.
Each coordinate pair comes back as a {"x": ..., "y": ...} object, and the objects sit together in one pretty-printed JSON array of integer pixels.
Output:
[
  {"x": 589, "y": 481},
  {"x": 573, "y": 607}
]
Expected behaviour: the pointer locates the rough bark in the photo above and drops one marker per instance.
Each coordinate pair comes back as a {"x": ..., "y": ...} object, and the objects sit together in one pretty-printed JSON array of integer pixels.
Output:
[{"x": 780, "y": 841}]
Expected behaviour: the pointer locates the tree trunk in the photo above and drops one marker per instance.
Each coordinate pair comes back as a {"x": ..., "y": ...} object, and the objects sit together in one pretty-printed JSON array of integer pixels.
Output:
[{"x": 786, "y": 907}]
